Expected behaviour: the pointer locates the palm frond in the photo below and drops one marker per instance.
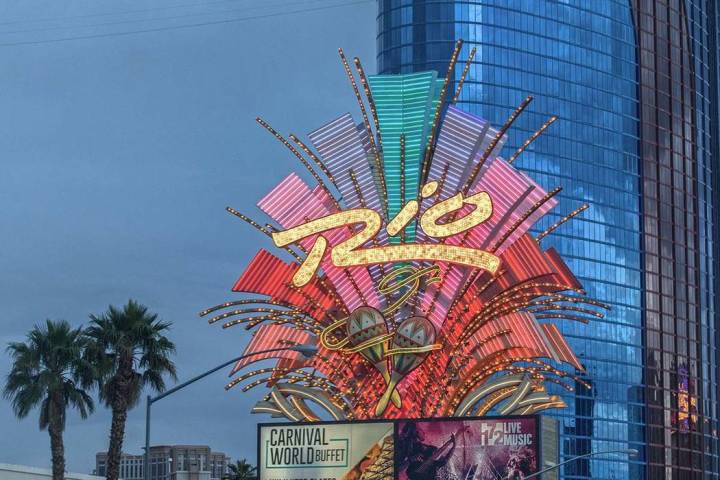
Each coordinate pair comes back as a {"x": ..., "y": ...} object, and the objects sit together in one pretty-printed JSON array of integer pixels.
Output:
[
  {"x": 45, "y": 367},
  {"x": 129, "y": 343}
]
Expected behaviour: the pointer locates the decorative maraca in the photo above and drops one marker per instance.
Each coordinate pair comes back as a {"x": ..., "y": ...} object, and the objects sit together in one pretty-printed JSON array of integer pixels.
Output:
[
  {"x": 414, "y": 339},
  {"x": 366, "y": 326}
]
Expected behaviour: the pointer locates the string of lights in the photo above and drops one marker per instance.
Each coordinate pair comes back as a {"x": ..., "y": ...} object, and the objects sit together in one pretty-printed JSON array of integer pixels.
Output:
[{"x": 449, "y": 323}]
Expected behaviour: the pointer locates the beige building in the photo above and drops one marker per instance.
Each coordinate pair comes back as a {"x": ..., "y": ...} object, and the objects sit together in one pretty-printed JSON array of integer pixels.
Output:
[
  {"x": 170, "y": 462},
  {"x": 23, "y": 472}
]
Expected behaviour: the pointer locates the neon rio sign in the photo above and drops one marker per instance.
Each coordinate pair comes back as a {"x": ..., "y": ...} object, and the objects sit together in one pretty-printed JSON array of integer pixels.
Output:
[{"x": 441, "y": 308}]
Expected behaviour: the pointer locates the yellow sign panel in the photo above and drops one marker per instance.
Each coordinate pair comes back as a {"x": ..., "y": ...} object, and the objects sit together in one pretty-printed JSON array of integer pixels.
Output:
[{"x": 344, "y": 451}]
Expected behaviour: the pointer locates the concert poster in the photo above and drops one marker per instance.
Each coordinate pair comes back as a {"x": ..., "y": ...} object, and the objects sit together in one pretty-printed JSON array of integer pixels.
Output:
[{"x": 473, "y": 449}]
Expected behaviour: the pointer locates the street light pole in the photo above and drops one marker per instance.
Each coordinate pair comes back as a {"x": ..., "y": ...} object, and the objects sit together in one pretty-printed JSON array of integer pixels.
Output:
[
  {"x": 630, "y": 451},
  {"x": 305, "y": 350}
]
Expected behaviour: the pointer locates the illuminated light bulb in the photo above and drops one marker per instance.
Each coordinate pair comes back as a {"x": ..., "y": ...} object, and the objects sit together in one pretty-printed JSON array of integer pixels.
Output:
[{"x": 428, "y": 189}]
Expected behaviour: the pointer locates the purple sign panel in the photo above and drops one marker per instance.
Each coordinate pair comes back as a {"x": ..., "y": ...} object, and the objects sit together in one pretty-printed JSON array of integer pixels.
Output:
[{"x": 477, "y": 449}]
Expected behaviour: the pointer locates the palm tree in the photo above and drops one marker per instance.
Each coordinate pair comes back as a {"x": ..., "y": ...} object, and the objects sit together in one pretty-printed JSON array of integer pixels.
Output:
[
  {"x": 49, "y": 372},
  {"x": 132, "y": 352},
  {"x": 240, "y": 470}
]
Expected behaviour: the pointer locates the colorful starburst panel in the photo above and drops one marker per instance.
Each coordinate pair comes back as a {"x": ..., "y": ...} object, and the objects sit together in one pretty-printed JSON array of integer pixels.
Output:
[{"x": 409, "y": 263}]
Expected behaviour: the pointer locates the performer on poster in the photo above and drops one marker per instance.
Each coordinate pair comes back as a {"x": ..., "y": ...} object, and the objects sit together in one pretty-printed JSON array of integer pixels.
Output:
[
  {"x": 514, "y": 468},
  {"x": 424, "y": 461}
]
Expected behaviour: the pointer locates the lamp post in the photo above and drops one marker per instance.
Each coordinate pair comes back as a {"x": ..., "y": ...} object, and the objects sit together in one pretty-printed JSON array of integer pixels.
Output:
[
  {"x": 306, "y": 350},
  {"x": 630, "y": 451}
]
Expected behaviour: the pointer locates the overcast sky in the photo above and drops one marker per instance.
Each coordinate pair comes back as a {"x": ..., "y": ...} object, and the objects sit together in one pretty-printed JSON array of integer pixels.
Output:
[{"x": 118, "y": 155}]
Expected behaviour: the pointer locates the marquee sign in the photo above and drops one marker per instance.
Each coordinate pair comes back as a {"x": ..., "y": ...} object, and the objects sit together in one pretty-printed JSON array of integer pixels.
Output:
[
  {"x": 487, "y": 448},
  {"x": 410, "y": 263}
]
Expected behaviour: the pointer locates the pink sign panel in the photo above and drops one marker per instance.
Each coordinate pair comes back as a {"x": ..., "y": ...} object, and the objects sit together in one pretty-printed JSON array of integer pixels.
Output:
[{"x": 473, "y": 449}]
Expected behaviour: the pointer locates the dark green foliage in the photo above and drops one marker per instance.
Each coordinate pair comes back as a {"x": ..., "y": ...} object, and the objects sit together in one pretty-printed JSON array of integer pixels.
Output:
[
  {"x": 130, "y": 350},
  {"x": 241, "y": 470},
  {"x": 50, "y": 371}
]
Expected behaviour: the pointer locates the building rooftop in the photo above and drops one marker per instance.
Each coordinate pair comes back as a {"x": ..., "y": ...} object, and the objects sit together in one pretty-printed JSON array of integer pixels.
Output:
[
  {"x": 7, "y": 470},
  {"x": 177, "y": 446}
]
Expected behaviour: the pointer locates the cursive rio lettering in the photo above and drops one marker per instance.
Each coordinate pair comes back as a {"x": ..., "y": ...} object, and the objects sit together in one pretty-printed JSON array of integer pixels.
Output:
[{"x": 351, "y": 252}]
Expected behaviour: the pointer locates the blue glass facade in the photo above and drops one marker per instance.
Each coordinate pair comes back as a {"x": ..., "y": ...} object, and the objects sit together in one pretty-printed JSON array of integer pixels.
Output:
[
  {"x": 581, "y": 60},
  {"x": 678, "y": 93},
  {"x": 703, "y": 35}
]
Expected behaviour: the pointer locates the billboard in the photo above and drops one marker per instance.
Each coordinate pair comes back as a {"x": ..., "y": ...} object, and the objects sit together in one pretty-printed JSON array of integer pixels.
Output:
[
  {"x": 489, "y": 448},
  {"x": 479, "y": 449},
  {"x": 325, "y": 451}
]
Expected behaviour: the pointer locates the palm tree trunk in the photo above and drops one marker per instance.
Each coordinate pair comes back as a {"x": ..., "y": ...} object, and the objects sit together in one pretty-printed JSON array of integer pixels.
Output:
[
  {"x": 57, "y": 449},
  {"x": 119, "y": 404},
  {"x": 117, "y": 433}
]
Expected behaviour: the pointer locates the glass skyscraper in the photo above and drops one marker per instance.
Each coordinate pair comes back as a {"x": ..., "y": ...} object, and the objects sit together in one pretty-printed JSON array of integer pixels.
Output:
[{"x": 634, "y": 84}]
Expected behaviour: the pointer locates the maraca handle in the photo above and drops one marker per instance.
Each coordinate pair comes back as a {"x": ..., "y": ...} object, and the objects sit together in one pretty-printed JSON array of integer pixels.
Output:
[
  {"x": 395, "y": 397},
  {"x": 383, "y": 403}
]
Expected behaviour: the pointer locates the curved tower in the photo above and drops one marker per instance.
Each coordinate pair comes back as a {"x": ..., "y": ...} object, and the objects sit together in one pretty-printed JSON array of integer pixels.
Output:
[{"x": 634, "y": 84}]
